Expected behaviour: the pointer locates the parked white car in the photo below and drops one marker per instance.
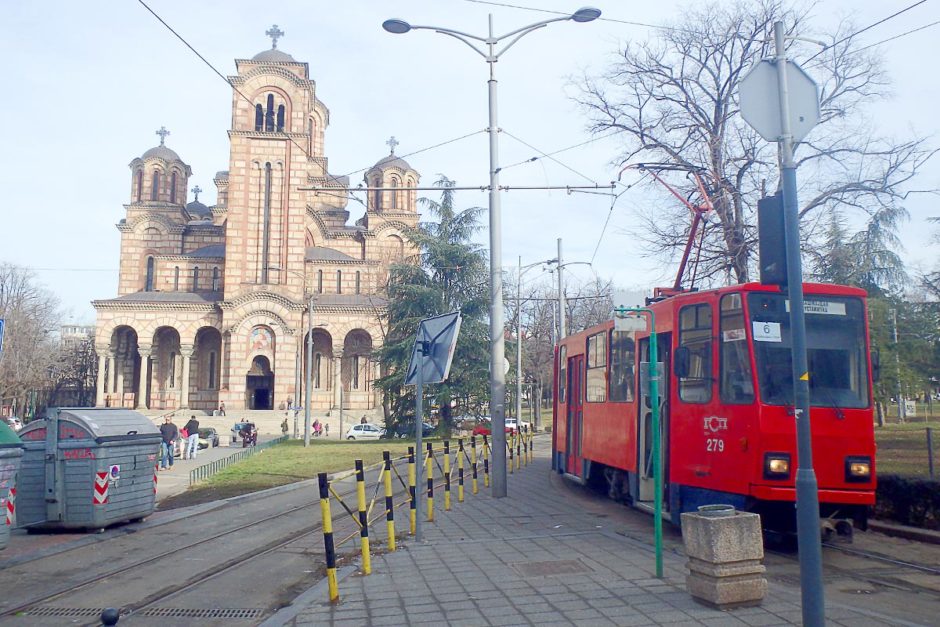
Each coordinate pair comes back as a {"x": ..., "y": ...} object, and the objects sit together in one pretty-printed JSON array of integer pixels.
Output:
[
  {"x": 513, "y": 425},
  {"x": 367, "y": 431}
]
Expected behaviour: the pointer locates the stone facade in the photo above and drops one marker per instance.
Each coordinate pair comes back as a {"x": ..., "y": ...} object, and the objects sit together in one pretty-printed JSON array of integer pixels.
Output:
[{"x": 213, "y": 302}]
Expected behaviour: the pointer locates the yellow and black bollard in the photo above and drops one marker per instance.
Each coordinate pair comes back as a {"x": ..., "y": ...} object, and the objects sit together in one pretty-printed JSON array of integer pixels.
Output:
[
  {"x": 486, "y": 462},
  {"x": 446, "y": 475},
  {"x": 430, "y": 464},
  {"x": 473, "y": 464},
  {"x": 411, "y": 488},
  {"x": 389, "y": 501},
  {"x": 363, "y": 518},
  {"x": 460, "y": 454},
  {"x": 328, "y": 537}
]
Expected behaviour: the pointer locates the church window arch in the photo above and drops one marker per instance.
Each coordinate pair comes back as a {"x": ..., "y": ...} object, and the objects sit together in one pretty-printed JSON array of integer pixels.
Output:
[
  {"x": 176, "y": 279},
  {"x": 215, "y": 279},
  {"x": 395, "y": 185},
  {"x": 155, "y": 185},
  {"x": 339, "y": 281},
  {"x": 358, "y": 282},
  {"x": 173, "y": 186},
  {"x": 411, "y": 193},
  {"x": 319, "y": 281},
  {"x": 269, "y": 114},
  {"x": 140, "y": 185},
  {"x": 310, "y": 137},
  {"x": 259, "y": 117},
  {"x": 196, "y": 278},
  {"x": 377, "y": 195},
  {"x": 148, "y": 281},
  {"x": 280, "y": 118}
]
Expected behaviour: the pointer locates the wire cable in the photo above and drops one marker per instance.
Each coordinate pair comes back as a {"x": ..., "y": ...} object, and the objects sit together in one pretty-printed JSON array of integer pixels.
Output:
[
  {"x": 560, "y": 150},
  {"x": 883, "y": 41},
  {"x": 869, "y": 27},
  {"x": 537, "y": 10},
  {"x": 610, "y": 213},
  {"x": 420, "y": 150},
  {"x": 544, "y": 154}
]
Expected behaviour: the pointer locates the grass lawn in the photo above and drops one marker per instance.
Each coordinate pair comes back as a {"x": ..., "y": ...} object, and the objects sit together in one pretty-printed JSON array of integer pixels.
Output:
[
  {"x": 282, "y": 464},
  {"x": 902, "y": 449}
]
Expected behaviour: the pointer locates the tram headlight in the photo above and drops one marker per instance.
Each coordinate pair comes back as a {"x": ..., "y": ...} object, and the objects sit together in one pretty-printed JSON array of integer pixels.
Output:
[
  {"x": 858, "y": 469},
  {"x": 776, "y": 465}
]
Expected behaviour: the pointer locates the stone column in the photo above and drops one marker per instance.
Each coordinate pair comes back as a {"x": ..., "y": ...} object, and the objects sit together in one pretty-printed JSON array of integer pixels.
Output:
[
  {"x": 119, "y": 377},
  {"x": 99, "y": 392},
  {"x": 186, "y": 352},
  {"x": 337, "y": 377},
  {"x": 144, "y": 352}
]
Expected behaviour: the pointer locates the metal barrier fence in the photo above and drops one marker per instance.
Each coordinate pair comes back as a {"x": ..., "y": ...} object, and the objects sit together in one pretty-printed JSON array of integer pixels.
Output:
[
  {"x": 205, "y": 471},
  {"x": 521, "y": 450}
]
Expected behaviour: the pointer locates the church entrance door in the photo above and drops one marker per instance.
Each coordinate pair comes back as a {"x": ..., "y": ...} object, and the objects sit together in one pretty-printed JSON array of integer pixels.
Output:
[{"x": 259, "y": 384}]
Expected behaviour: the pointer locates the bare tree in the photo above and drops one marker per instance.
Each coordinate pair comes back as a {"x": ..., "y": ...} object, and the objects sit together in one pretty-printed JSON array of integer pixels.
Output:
[
  {"x": 674, "y": 100},
  {"x": 31, "y": 316}
]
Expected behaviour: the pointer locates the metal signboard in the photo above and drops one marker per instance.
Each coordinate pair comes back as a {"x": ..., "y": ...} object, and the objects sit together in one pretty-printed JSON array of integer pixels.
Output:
[
  {"x": 434, "y": 348},
  {"x": 759, "y": 91}
]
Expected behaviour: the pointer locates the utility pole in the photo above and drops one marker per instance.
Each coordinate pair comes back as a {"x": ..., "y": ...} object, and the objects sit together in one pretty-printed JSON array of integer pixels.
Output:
[
  {"x": 897, "y": 365},
  {"x": 561, "y": 295},
  {"x": 519, "y": 344}
]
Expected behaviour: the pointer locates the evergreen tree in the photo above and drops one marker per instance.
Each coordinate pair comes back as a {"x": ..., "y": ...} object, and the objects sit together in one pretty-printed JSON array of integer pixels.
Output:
[{"x": 450, "y": 275}]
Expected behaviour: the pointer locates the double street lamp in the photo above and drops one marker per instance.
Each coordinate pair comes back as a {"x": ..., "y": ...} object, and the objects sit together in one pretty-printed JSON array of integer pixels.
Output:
[{"x": 497, "y": 345}]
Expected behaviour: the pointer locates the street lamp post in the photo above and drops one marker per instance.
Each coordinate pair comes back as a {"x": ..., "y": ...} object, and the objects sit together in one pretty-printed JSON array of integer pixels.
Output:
[
  {"x": 497, "y": 345},
  {"x": 522, "y": 270}
]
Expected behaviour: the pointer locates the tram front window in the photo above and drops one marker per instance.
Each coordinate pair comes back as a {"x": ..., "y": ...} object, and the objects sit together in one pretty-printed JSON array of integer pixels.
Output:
[{"x": 835, "y": 350}]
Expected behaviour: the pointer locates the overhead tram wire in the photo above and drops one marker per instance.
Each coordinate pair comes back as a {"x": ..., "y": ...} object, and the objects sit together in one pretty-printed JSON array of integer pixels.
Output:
[
  {"x": 538, "y": 10},
  {"x": 884, "y": 41},
  {"x": 547, "y": 156},
  {"x": 610, "y": 213},
  {"x": 560, "y": 150},
  {"x": 869, "y": 27}
]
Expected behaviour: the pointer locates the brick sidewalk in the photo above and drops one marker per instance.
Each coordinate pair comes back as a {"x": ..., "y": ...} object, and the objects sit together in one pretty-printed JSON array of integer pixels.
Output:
[{"x": 534, "y": 558}]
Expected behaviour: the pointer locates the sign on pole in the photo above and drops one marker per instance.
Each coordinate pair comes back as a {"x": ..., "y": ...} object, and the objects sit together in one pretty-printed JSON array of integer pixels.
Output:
[
  {"x": 2, "y": 325},
  {"x": 759, "y": 91}
]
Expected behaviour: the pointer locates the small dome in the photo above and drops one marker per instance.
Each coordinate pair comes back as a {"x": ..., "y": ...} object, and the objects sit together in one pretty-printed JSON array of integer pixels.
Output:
[
  {"x": 196, "y": 208},
  {"x": 161, "y": 152},
  {"x": 273, "y": 56},
  {"x": 392, "y": 161}
]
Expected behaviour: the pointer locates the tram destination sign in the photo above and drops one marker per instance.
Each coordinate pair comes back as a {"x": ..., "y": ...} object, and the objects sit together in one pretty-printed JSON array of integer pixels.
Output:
[{"x": 821, "y": 307}]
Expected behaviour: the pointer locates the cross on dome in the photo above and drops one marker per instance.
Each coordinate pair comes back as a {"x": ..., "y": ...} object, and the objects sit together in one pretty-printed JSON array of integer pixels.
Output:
[
  {"x": 196, "y": 190},
  {"x": 392, "y": 142},
  {"x": 274, "y": 33},
  {"x": 162, "y": 133}
]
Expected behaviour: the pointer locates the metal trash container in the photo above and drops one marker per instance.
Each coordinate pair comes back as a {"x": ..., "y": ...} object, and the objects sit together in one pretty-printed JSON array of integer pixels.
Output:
[
  {"x": 11, "y": 453},
  {"x": 87, "y": 468}
]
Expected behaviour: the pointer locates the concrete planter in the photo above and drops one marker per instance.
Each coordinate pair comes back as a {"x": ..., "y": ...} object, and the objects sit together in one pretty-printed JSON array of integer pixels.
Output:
[{"x": 725, "y": 551}]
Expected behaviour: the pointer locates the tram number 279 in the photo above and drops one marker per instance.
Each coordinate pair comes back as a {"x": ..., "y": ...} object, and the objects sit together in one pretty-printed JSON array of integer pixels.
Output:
[{"x": 714, "y": 445}]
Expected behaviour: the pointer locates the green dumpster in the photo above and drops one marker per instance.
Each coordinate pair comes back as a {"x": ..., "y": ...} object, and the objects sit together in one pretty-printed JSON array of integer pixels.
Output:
[{"x": 11, "y": 453}]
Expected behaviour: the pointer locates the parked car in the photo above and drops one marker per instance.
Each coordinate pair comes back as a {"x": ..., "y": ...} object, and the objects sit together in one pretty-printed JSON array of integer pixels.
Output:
[
  {"x": 407, "y": 430},
  {"x": 367, "y": 431},
  {"x": 512, "y": 424},
  {"x": 208, "y": 438},
  {"x": 484, "y": 426}
]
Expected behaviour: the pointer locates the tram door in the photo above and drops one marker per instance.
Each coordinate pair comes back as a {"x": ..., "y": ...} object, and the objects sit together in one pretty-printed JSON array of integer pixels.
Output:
[
  {"x": 575, "y": 415},
  {"x": 647, "y": 480}
]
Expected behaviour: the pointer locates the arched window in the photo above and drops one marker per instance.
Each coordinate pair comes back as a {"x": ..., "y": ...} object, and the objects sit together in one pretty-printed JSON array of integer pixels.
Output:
[
  {"x": 148, "y": 281},
  {"x": 212, "y": 370},
  {"x": 269, "y": 114},
  {"x": 155, "y": 185},
  {"x": 176, "y": 279},
  {"x": 280, "y": 118},
  {"x": 215, "y": 279},
  {"x": 259, "y": 117},
  {"x": 310, "y": 137},
  {"x": 196, "y": 278},
  {"x": 339, "y": 281},
  {"x": 358, "y": 282},
  {"x": 319, "y": 281},
  {"x": 140, "y": 185},
  {"x": 173, "y": 186},
  {"x": 377, "y": 202},
  {"x": 317, "y": 361},
  {"x": 395, "y": 185}
]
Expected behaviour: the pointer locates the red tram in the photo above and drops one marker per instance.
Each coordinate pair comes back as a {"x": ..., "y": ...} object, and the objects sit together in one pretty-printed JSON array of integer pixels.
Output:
[{"x": 728, "y": 429}]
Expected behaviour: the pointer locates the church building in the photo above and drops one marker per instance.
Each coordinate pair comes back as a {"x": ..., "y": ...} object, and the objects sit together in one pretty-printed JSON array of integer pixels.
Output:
[{"x": 215, "y": 303}]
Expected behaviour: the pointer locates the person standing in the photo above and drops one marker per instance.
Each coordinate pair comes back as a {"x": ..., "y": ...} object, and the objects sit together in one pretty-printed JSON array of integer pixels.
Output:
[
  {"x": 192, "y": 442},
  {"x": 222, "y": 408},
  {"x": 169, "y": 433},
  {"x": 284, "y": 427}
]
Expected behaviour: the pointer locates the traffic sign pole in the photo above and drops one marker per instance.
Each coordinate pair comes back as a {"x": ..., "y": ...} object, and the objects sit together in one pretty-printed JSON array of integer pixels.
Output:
[{"x": 807, "y": 494}]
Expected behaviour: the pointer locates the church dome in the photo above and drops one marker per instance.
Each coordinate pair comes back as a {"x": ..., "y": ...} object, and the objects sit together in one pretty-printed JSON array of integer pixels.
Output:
[
  {"x": 392, "y": 161},
  {"x": 273, "y": 56},
  {"x": 196, "y": 208},
  {"x": 161, "y": 152}
]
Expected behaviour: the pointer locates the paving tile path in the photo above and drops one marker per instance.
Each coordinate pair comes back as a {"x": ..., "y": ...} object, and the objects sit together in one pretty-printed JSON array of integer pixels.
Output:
[{"x": 534, "y": 558}]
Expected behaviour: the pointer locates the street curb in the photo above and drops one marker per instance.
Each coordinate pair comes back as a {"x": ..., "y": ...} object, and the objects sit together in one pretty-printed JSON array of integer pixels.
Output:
[
  {"x": 900, "y": 531},
  {"x": 306, "y": 599}
]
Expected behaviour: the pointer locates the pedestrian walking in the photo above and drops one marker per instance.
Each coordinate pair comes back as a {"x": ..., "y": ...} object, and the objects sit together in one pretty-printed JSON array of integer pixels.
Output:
[
  {"x": 363, "y": 420},
  {"x": 284, "y": 427},
  {"x": 222, "y": 408},
  {"x": 326, "y": 429},
  {"x": 169, "y": 432},
  {"x": 184, "y": 440},
  {"x": 192, "y": 442}
]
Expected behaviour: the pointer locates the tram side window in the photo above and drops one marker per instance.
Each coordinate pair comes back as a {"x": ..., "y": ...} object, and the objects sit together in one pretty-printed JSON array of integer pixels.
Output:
[
  {"x": 695, "y": 333},
  {"x": 622, "y": 352},
  {"x": 736, "y": 382},
  {"x": 596, "y": 385},
  {"x": 562, "y": 374}
]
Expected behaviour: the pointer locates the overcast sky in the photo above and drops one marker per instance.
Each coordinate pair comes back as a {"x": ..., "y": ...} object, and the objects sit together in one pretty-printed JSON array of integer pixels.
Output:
[{"x": 88, "y": 83}]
